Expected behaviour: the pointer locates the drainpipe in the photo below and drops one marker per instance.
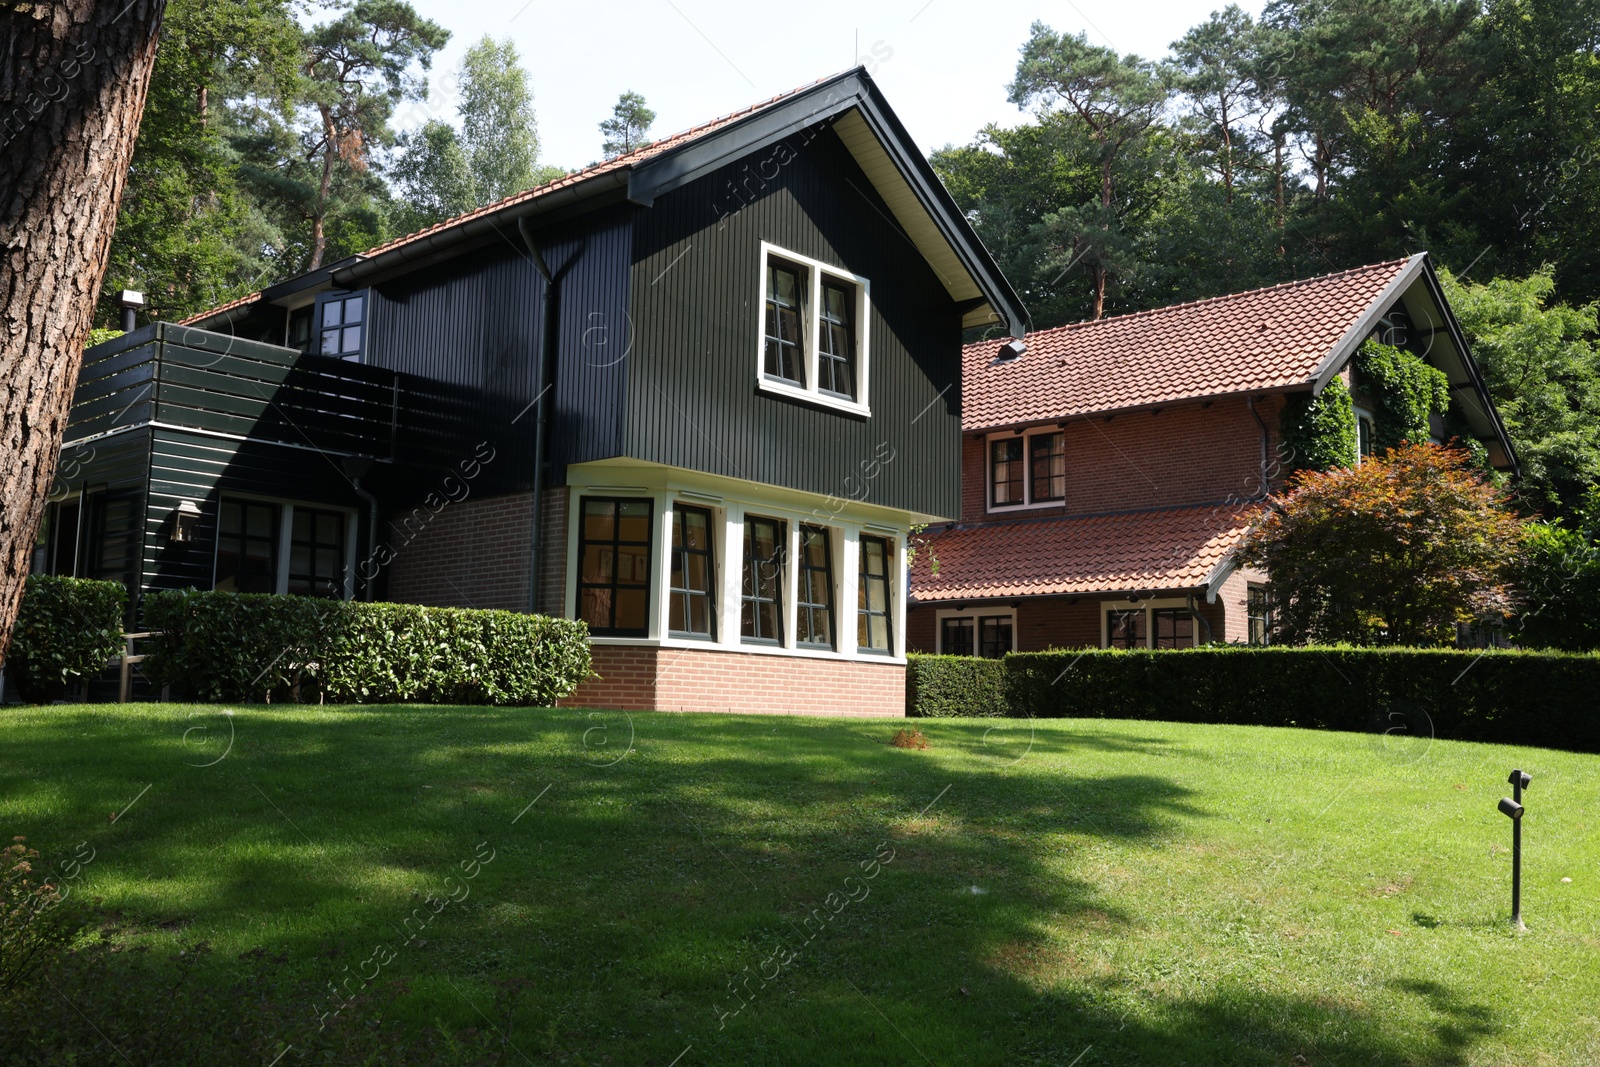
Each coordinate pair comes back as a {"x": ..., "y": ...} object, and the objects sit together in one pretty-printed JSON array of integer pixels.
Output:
[
  {"x": 372, "y": 525},
  {"x": 1266, "y": 437},
  {"x": 1194, "y": 612},
  {"x": 541, "y": 368}
]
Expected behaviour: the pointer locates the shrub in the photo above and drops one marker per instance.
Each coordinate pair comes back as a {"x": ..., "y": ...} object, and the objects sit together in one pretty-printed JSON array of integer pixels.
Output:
[
  {"x": 66, "y": 628},
  {"x": 909, "y": 739},
  {"x": 950, "y": 687},
  {"x": 1509, "y": 697},
  {"x": 34, "y": 927},
  {"x": 239, "y": 646}
]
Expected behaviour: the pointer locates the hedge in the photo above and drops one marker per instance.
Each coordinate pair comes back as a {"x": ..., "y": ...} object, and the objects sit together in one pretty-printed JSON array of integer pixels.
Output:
[
  {"x": 242, "y": 646},
  {"x": 1511, "y": 697},
  {"x": 66, "y": 628}
]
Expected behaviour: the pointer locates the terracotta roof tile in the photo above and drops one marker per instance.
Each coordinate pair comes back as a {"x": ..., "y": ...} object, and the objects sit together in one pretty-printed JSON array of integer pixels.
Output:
[
  {"x": 1263, "y": 339},
  {"x": 1169, "y": 548},
  {"x": 624, "y": 161}
]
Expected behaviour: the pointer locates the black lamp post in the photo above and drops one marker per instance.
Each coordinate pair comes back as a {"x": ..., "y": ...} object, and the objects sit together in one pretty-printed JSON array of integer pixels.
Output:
[{"x": 1511, "y": 807}]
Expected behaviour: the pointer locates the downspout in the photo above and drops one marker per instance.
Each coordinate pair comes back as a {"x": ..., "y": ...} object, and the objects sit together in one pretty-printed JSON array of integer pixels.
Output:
[
  {"x": 1266, "y": 437},
  {"x": 1194, "y": 612},
  {"x": 372, "y": 526},
  {"x": 541, "y": 368}
]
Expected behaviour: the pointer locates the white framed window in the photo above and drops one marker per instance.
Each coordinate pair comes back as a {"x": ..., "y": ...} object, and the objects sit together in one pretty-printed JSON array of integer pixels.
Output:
[
  {"x": 989, "y": 632},
  {"x": 1166, "y": 623},
  {"x": 814, "y": 344},
  {"x": 1366, "y": 435},
  {"x": 1026, "y": 470},
  {"x": 279, "y": 546}
]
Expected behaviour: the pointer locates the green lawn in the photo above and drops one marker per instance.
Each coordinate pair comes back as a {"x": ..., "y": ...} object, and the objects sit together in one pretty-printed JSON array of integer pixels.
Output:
[{"x": 1067, "y": 892}]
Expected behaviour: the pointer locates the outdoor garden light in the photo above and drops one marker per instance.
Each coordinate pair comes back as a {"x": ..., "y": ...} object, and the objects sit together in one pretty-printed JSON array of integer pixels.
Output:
[
  {"x": 1511, "y": 808},
  {"x": 130, "y": 300}
]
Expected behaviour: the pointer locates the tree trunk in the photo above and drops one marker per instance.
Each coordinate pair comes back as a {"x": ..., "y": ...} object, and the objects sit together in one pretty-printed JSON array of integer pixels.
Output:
[
  {"x": 319, "y": 233},
  {"x": 72, "y": 89}
]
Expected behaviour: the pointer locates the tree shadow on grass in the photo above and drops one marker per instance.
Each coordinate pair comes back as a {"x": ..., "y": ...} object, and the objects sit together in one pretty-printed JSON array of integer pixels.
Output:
[{"x": 641, "y": 898}]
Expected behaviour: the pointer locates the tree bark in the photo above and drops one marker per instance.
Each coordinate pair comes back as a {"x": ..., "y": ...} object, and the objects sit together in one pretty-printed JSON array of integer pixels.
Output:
[{"x": 73, "y": 77}]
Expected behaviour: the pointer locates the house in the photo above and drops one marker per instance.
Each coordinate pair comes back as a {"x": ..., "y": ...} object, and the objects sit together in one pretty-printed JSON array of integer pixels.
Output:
[
  {"x": 696, "y": 395},
  {"x": 1109, "y": 470}
]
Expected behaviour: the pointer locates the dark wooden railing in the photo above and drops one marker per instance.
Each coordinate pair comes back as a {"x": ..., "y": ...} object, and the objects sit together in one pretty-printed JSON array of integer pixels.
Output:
[{"x": 196, "y": 379}]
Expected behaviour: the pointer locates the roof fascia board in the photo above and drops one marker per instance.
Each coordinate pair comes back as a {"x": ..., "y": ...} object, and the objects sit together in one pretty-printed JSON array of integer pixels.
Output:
[
  {"x": 1358, "y": 331},
  {"x": 1453, "y": 327}
]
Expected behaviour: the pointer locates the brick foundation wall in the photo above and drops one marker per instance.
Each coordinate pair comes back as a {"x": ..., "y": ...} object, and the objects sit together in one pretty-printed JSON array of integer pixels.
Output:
[
  {"x": 636, "y": 678},
  {"x": 553, "y": 557}
]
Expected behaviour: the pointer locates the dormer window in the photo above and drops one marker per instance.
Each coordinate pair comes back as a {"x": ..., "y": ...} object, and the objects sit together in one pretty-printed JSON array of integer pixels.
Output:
[
  {"x": 341, "y": 322},
  {"x": 813, "y": 331}
]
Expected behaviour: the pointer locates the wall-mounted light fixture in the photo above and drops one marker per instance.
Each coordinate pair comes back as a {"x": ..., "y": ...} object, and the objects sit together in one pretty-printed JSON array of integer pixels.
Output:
[{"x": 185, "y": 517}]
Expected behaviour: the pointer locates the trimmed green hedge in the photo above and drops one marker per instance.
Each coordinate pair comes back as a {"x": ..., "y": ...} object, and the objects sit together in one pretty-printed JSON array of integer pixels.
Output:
[
  {"x": 66, "y": 628},
  {"x": 1510, "y": 697},
  {"x": 242, "y": 646}
]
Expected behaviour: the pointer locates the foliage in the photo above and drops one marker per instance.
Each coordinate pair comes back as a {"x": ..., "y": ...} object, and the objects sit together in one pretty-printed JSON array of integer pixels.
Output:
[
  {"x": 36, "y": 925},
  {"x": 914, "y": 739},
  {"x": 1395, "y": 551},
  {"x": 499, "y": 133},
  {"x": 1407, "y": 393},
  {"x": 239, "y": 646},
  {"x": 67, "y": 628},
  {"x": 100, "y": 335},
  {"x": 1525, "y": 698},
  {"x": 1560, "y": 580},
  {"x": 629, "y": 125},
  {"x": 434, "y": 176},
  {"x": 947, "y": 687},
  {"x": 1318, "y": 433},
  {"x": 1541, "y": 365}
]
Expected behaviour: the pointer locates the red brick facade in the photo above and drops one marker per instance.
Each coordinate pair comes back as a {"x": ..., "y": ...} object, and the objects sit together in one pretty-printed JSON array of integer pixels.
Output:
[
  {"x": 1185, "y": 453},
  {"x": 637, "y": 678},
  {"x": 474, "y": 553}
]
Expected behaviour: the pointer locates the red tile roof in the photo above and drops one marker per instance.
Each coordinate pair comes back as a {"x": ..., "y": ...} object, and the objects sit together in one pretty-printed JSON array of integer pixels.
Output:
[
  {"x": 1143, "y": 551},
  {"x": 627, "y": 159},
  {"x": 1263, "y": 339}
]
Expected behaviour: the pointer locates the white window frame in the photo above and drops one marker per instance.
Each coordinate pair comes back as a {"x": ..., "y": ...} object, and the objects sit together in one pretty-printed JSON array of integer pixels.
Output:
[
  {"x": 280, "y": 581},
  {"x": 811, "y": 394},
  {"x": 1147, "y": 606},
  {"x": 1028, "y": 504},
  {"x": 1363, "y": 413},
  {"x": 729, "y": 517},
  {"x": 974, "y": 614}
]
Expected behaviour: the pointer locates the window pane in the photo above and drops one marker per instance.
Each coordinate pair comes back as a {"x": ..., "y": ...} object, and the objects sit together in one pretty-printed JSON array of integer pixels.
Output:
[
  {"x": 785, "y": 343},
  {"x": 351, "y": 342},
  {"x": 1125, "y": 629},
  {"x": 1049, "y": 461},
  {"x": 690, "y": 608},
  {"x": 331, "y": 313},
  {"x": 1005, "y": 463},
  {"x": 994, "y": 636},
  {"x": 330, "y": 342},
  {"x": 353, "y": 309},
  {"x": 614, "y": 566},
  {"x": 956, "y": 637},
  {"x": 814, "y": 598}
]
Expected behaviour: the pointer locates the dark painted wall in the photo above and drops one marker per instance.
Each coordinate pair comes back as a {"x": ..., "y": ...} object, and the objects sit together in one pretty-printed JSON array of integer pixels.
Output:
[{"x": 692, "y": 399}]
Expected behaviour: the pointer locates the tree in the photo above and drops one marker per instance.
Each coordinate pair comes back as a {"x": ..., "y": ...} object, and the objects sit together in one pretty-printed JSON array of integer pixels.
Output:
[
  {"x": 188, "y": 236},
  {"x": 1560, "y": 579},
  {"x": 498, "y": 130},
  {"x": 74, "y": 79},
  {"x": 1395, "y": 551},
  {"x": 357, "y": 68},
  {"x": 1116, "y": 100},
  {"x": 1541, "y": 364},
  {"x": 434, "y": 175},
  {"x": 628, "y": 125}
]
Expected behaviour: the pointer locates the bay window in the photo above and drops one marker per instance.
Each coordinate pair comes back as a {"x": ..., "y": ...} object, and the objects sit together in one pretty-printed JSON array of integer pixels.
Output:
[{"x": 614, "y": 541}]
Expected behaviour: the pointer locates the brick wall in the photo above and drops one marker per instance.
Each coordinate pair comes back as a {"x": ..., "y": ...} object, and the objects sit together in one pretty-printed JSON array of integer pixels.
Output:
[
  {"x": 674, "y": 679},
  {"x": 1074, "y": 621},
  {"x": 1183, "y": 454},
  {"x": 471, "y": 554},
  {"x": 553, "y": 557}
]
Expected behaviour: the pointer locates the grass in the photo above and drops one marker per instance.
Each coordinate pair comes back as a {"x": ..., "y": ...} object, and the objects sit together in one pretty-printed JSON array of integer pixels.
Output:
[{"x": 1067, "y": 892}]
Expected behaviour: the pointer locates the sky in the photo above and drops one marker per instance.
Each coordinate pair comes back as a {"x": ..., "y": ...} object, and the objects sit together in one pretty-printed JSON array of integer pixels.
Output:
[{"x": 942, "y": 64}]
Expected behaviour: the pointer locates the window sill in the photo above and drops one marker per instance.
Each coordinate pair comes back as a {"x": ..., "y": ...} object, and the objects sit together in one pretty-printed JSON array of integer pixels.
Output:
[
  {"x": 1001, "y": 509},
  {"x": 778, "y": 387}
]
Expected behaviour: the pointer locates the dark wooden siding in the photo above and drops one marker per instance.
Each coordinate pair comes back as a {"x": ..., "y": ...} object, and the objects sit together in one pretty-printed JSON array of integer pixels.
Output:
[
  {"x": 468, "y": 330},
  {"x": 692, "y": 399}
]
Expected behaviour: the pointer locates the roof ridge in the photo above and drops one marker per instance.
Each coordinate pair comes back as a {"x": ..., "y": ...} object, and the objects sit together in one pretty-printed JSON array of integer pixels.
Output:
[{"x": 1292, "y": 283}]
